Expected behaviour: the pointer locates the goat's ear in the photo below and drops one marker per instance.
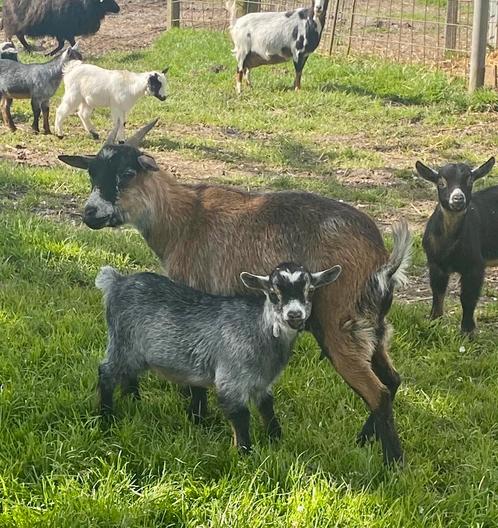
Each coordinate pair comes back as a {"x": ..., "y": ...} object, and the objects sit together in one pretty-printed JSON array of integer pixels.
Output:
[
  {"x": 483, "y": 169},
  {"x": 147, "y": 163},
  {"x": 322, "y": 278},
  {"x": 165, "y": 71},
  {"x": 426, "y": 172},
  {"x": 255, "y": 282},
  {"x": 80, "y": 162}
]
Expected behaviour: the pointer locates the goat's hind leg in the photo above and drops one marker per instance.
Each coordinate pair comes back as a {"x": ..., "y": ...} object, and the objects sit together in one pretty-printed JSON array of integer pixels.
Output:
[
  {"x": 60, "y": 45},
  {"x": 24, "y": 42},
  {"x": 352, "y": 352},
  {"x": 198, "y": 404},
  {"x": 45, "y": 108},
  {"x": 108, "y": 379},
  {"x": 385, "y": 371}
]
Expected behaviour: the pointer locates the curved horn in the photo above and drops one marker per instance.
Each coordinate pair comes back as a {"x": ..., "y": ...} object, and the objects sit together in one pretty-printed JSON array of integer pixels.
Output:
[
  {"x": 137, "y": 138},
  {"x": 111, "y": 138}
]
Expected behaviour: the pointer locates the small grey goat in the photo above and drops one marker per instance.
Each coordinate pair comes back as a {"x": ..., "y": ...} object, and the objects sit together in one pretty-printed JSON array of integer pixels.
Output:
[
  {"x": 37, "y": 82},
  {"x": 239, "y": 344}
]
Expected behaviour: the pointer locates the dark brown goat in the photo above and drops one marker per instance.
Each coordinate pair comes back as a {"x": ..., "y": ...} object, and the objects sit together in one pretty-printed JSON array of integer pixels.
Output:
[
  {"x": 206, "y": 235},
  {"x": 62, "y": 19}
]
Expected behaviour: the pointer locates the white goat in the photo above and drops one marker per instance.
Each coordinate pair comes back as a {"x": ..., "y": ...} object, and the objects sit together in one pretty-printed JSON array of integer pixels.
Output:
[
  {"x": 88, "y": 87},
  {"x": 270, "y": 38}
]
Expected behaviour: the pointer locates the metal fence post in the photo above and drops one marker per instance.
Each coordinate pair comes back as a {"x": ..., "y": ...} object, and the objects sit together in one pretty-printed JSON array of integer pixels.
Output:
[
  {"x": 479, "y": 41},
  {"x": 450, "y": 37},
  {"x": 173, "y": 14}
]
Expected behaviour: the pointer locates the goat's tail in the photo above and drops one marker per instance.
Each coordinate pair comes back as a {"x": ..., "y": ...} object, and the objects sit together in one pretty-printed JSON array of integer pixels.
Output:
[
  {"x": 378, "y": 292},
  {"x": 231, "y": 6},
  {"x": 106, "y": 278}
]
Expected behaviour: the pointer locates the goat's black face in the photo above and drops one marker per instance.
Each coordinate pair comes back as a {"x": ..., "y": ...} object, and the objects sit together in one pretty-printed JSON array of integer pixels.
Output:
[
  {"x": 289, "y": 288},
  {"x": 110, "y": 173},
  {"x": 156, "y": 86},
  {"x": 108, "y": 6},
  {"x": 454, "y": 182}
]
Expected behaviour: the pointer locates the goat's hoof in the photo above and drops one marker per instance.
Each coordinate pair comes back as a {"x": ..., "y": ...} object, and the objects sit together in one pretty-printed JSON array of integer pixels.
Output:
[
  {"x": 394, "y": 460},
  {"x": 47, "y": 132},
  {"x": 12, "y": 129},
  {"x": 470, "y": 334},
  {"x": 94, "y": 135},
  {"x": 60, "y": 136}
]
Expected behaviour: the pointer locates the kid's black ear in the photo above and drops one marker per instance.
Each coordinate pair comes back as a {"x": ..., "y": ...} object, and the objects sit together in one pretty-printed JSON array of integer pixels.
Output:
[
  {"x": 426, "y": 172},
  {"x": 483, "y": 169},
  {"x": 147, "y": 163},
  {"x": 165, "y": 71},
  {"x": 322, "y": 278},
  {"x": 255, "y": 282},
  {"x": 80, "y": 162}
]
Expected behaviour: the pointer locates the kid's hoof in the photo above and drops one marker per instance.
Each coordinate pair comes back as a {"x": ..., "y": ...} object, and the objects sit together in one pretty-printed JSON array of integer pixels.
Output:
[{"x": 94, "y": 135}]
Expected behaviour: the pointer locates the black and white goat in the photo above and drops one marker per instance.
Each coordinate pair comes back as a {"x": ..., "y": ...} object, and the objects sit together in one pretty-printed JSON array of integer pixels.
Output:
[
  {"x": 88, "y": 87},
  {"x": 271, "y": 38},
  {"x": 239, "y": 344},
  {"x": 37, "y": 82},
  {"x": 461, "y": 236}
]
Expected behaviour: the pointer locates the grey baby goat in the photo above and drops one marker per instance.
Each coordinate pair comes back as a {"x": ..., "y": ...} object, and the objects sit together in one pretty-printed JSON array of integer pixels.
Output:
[{"x": 238, "y": 344}]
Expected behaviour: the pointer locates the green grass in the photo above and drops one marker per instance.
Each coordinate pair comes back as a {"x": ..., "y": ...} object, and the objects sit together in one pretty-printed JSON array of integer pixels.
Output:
[{"x": 354, "y": 117}]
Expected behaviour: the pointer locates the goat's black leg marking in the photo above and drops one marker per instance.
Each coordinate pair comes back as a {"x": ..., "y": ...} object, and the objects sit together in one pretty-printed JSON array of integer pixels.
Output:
[
  {"x": 299, "y": 65},
  {"x": 130, "y": 385},
  {"x": 265, "y": 407},
  {"x": 60, "y": 45},
  {"x": 107, "y": 383},
  {"x": 45, "y": 108},
  {"x": 198, "y": 404},
  {"x": 24, "y": 42},
  {"x": 439, "y": 283},
  {"x": 35, "y": 106},
  {"x": 238, "y": 415},
  {"x": 471, "y": 284}
]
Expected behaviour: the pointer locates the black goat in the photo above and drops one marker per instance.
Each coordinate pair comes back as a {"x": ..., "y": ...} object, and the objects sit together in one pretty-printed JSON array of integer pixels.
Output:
[
  {"x": 62, "y": 19},
  {"x": 461, "y": 235}
]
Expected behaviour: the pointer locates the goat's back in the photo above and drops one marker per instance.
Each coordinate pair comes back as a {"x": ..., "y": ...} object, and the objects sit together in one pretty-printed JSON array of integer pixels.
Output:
[{"x": 225, "y": 231}]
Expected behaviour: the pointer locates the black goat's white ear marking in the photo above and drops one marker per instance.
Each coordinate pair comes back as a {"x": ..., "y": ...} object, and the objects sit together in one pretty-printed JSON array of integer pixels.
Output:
[
  {"x": 80, "y": 162},
  {"x": 255, "y": 282},
  {"x": 426, "y": 172},
  {"x": 147, "y": 163},
  {"x": 322, "y": 278},
  {"x": 484, "y": 169}
]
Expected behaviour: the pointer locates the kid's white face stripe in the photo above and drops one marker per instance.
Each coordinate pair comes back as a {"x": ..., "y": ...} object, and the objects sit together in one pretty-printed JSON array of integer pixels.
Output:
[{"x": 292, "y": 277}]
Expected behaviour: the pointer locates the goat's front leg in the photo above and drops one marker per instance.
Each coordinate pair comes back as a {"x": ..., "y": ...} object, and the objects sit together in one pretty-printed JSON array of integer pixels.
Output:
[
  {"x": 84, "y": 113},
  {"x": 60, "y": 45},
  {"x": 299, "y": 63},
  {"x": 45, "y": 107},
  {"x": 36, "y": 107},
  {"x": 238, "y": 415},
  {"x": 471, "y": 284},
  {"x": 198, "y": 404},
  {"x": 6, "y": 115},
  {"x": 439, "y": 284},
  {"x": 272, "y": 426}
]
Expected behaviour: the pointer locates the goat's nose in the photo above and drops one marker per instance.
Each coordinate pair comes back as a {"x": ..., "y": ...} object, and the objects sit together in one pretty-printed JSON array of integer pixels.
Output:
[
  {"x": 458, "y": 198},
  {"x": 90, "y": 211},
  {"x": 295, "y": 315}
]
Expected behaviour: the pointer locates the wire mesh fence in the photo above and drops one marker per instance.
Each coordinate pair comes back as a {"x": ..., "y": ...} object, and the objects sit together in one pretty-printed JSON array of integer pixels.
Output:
[{"x": 436, "y": 32}]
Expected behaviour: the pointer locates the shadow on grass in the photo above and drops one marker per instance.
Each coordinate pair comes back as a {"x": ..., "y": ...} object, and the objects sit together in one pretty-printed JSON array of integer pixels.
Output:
[{"x": 365, "y": 92}]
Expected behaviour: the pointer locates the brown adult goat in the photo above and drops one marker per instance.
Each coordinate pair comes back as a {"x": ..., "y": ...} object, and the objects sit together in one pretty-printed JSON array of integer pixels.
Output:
[{"x": 206, "y": 235}]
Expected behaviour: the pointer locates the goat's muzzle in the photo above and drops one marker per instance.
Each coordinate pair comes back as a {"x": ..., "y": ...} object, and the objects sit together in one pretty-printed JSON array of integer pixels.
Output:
[{"x": 295, "y": 320}]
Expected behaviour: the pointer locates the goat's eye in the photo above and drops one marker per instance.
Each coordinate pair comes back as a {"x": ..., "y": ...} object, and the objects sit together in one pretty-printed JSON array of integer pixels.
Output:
[
  {"x": 441, "y": 183},
  {"x": 128, "y": 174}
]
